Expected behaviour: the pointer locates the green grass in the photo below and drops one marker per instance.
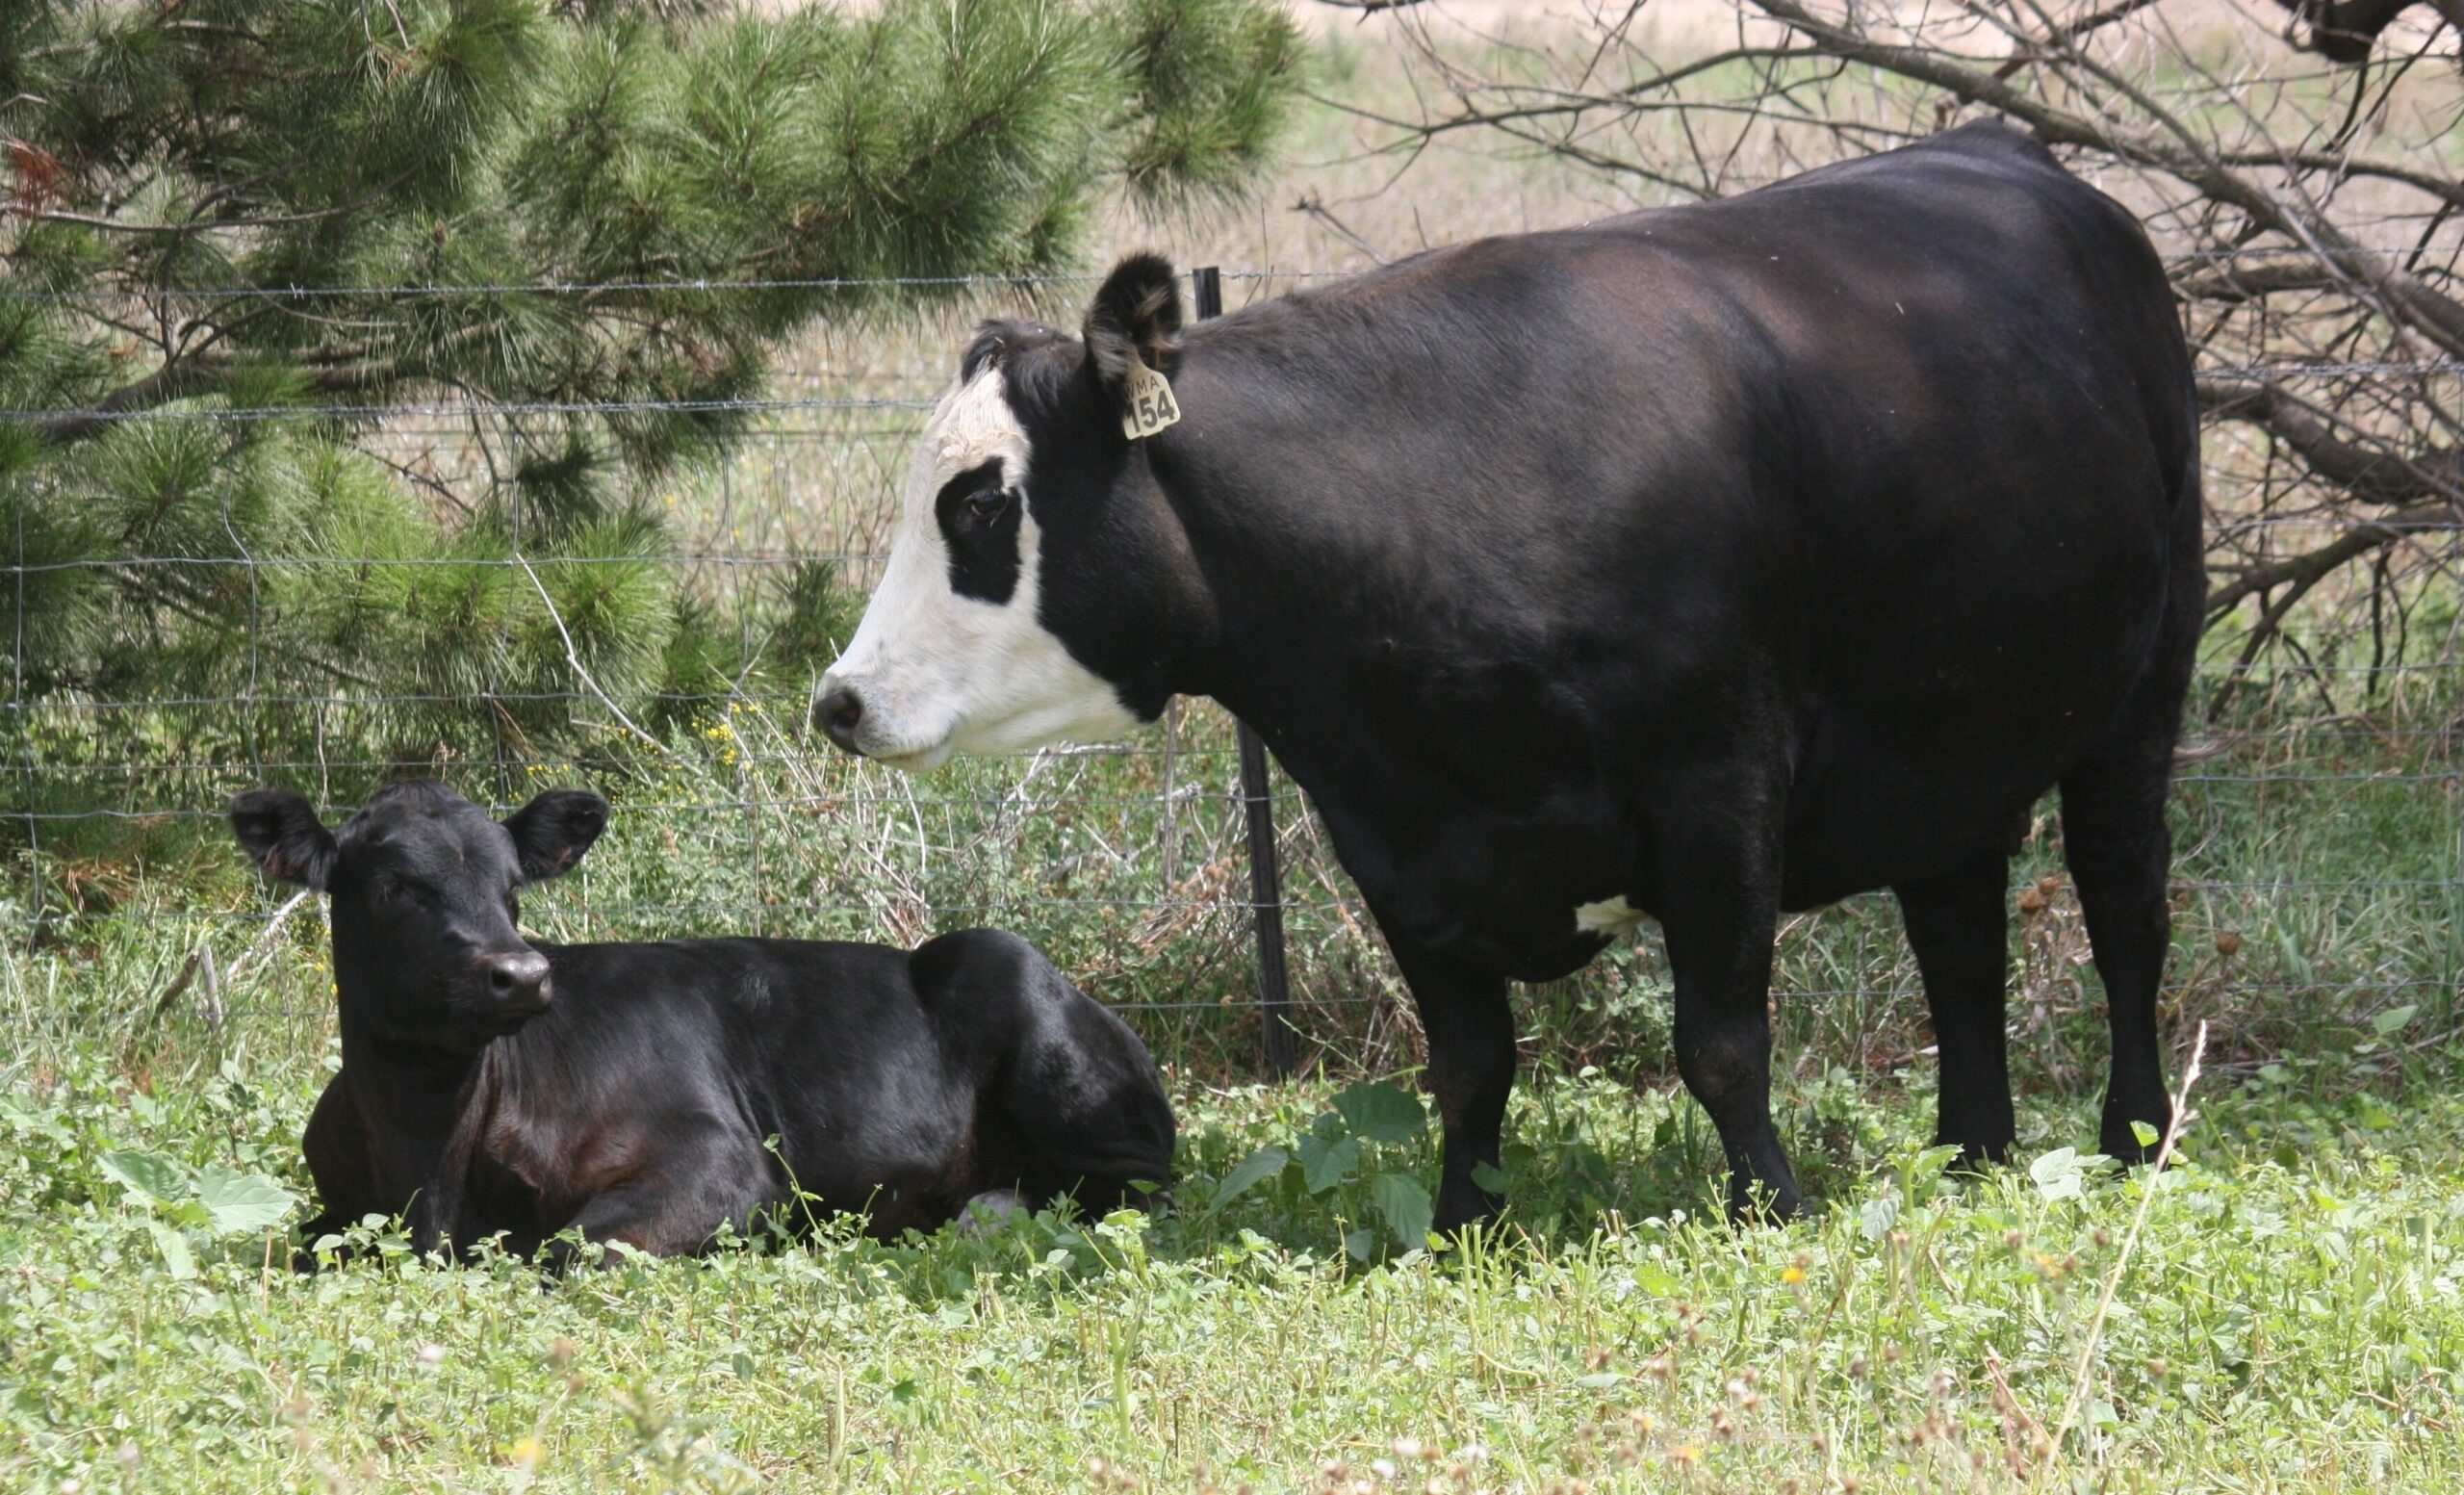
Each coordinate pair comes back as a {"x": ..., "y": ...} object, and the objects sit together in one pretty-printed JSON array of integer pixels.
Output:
[{"x": 2291, "y": 1317}]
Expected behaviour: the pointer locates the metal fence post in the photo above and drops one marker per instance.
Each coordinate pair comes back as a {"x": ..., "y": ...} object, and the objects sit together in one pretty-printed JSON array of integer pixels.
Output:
[{"x": 1265, "y": 872}]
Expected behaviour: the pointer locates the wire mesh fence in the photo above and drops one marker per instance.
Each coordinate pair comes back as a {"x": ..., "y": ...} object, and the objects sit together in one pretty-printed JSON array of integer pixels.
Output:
[{"x": 2320, "y": 844}]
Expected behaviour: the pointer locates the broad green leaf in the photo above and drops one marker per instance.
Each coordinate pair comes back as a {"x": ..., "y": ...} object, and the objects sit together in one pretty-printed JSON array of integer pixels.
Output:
[
  {"x": 2394, "y": 1018},
  {"x": 1263, "y": 1164},
  {"x": 1405, "y": 1204},
  {"x": 158, "y": 1178},
  {"x": 187, "y": 1215},
  {"x": 1878, "y": 1217},
  {"x": 2062, "y": 1173},
  {"x": 1929, "y": 1164},
  {"x": 1489, "y": 1177},
  {"x": 1325, "y": 1164},
  {"x": 1381, "y": 1113},
  {"x": 177, "y": 1259},
  {"x": 2148, "y": 1136},
  {"x": 241, "y": 1202}
]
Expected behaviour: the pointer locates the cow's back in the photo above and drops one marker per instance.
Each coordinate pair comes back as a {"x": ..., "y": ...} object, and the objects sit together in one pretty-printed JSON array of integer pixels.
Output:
[
  {"x": 823, "y": 1045},
  {"x": 1911, "y": 435}
]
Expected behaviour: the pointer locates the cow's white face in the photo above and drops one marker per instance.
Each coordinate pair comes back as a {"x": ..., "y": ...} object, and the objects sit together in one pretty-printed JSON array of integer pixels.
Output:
[{"x": 951, "y": 656}]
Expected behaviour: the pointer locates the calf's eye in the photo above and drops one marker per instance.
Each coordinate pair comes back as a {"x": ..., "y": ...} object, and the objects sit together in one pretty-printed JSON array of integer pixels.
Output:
[{"x": 987, "y": 503}]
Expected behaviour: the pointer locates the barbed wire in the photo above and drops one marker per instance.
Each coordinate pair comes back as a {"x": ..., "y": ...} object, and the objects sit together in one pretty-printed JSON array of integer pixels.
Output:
[
  {"x": 2322, "y": 524},
  {"x": 1283, "y": 796},
  {"x": 665, "y": 911},
  {"x": 727, "y": 285},
  {"x": 52, "y": 788},
  {"x": 80, "y": 705},
  {"x": 383, "y": 412},
  {"x": 435, "y": 288},
  {"x": 1901, "y": 993},
  {"x": 235, "y": 414}
]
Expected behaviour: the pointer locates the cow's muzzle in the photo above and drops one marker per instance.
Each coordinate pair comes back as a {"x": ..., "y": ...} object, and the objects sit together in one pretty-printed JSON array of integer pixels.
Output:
[
  {"x": 516, "y": 984},
  {"x": 838, "y": 713}
]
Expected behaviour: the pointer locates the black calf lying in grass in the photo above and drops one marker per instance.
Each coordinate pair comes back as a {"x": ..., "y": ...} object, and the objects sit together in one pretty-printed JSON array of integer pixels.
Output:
[{"x": 629, "y": 1092}]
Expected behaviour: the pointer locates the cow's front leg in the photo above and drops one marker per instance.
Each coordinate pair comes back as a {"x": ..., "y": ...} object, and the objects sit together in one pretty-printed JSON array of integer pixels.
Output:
[
  {"x": 691, "y": 1178},
  {"x": 1471, "y": 1069},
  {"x": 336, "y": 1146},
  {"x": 1716, "y": 853}
]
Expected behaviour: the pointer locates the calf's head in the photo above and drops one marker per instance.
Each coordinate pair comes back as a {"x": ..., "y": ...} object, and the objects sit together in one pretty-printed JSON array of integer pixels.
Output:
[
  {"x": 1036, "y": 566},
  {"x": 426, "y": 950}
]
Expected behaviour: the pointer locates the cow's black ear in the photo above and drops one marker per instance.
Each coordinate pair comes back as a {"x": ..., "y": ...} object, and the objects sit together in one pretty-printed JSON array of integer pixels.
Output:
[
  {"x": 552, "y": 831},
  {"x": 281, "y": 833},
  {"x": 1137, "y": 314}
]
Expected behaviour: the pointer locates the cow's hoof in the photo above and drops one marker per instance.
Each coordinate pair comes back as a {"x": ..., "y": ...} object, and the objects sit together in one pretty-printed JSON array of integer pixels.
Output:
[
  {"x": 2126, "y": 1121},
  {"x": 1978, "y": 1157},
  {"x": 2119, "y": 1140}
]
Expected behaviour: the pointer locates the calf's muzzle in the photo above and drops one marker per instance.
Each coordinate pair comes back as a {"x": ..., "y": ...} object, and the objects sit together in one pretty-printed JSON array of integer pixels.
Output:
[{"x": 518, "y": 980}]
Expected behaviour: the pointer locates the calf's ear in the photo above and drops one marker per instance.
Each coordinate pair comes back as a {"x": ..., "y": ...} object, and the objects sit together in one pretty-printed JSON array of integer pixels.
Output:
[
  {"x": 552, "y": 831},
  {"x": 1137, "y": 314},
  {"x": 281, "y": 833}
]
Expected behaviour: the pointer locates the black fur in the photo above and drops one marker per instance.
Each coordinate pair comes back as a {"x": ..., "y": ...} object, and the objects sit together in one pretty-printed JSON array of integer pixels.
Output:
[
  {"x": 978, "y": 523},
  {"x": 1137, "y": 313},
  {"x": 632, "y": 1093},
  {"x": 550, "y": 833},
  {"x": 1728, "y": 558},
  {"x": 281, "y": 833}
]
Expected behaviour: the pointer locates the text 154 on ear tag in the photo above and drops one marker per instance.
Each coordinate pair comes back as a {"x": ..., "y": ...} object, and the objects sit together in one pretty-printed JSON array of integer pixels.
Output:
[{"x": 1151, "y": 404}]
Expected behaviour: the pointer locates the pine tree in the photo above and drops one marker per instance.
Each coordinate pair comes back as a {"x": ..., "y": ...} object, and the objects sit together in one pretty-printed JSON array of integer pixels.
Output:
[{"x": 178, "y": 168}]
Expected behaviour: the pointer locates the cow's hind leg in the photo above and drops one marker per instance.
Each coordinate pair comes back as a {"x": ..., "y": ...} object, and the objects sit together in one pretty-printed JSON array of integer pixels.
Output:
[
  {"x": 1959, "y": 926},
  {"x": 2120, "y": 851},
  {"x": 1717, "y": 895},
  {"x": 1081, "y": 1104}
]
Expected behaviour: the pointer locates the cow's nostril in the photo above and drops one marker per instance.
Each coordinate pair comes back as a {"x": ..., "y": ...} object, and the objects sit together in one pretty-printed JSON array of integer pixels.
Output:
[
  {"x": 838, "y": 713},
  {"x": 517, "y": 977}
]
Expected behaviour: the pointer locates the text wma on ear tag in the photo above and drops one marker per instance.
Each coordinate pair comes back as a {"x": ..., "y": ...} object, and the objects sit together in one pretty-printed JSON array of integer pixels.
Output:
[{"x": 1151, "y": 407}]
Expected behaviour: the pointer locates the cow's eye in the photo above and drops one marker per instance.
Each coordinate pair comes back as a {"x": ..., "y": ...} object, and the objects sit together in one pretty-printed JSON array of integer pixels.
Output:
[{"x": 986, "y": 503}]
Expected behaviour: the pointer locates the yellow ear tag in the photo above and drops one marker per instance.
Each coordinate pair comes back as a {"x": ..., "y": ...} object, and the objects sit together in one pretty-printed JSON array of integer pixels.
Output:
[{"x": 1150, "y": 397}]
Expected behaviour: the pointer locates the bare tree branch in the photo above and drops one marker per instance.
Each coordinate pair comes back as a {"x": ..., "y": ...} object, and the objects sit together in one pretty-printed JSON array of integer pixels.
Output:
[
  {"x": 2366, "y": 473},
  {"x": 2306, "y": 570},
  {"x": 2315, "y": 235}
]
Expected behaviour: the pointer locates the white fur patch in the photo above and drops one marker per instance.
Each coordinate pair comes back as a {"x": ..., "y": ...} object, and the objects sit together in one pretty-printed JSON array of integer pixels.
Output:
[
  {"x": 1611, "y": 917},
  {"x": 938, "y": 673}
]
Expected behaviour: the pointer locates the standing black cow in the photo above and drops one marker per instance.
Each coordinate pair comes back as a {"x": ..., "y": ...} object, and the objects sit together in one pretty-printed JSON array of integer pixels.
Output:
[
  {"x": 631, "y": 1092},
  {"x": 1703, "y": 562}
]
